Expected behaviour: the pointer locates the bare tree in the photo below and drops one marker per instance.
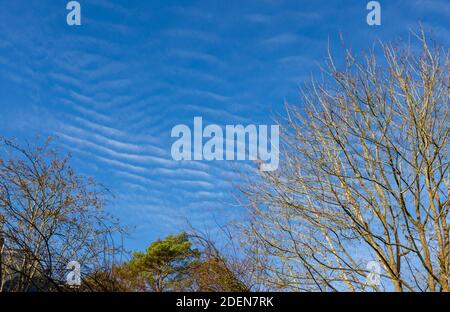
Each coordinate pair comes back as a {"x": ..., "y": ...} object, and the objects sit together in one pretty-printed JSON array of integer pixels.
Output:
[
  {"x": 364, "y": 176},
  {"x": 221, "y": 267},
  {"x": 49, "y": 216}
]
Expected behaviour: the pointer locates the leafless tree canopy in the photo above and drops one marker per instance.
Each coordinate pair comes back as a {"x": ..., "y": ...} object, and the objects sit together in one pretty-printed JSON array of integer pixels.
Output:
[
  {"x": 49, "y": 216},
  {"x": 364, "y": 176}
]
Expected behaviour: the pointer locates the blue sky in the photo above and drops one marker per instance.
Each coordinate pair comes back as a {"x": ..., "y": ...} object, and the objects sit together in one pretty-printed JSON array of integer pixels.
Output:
[{"x": 112, "y": 89}]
